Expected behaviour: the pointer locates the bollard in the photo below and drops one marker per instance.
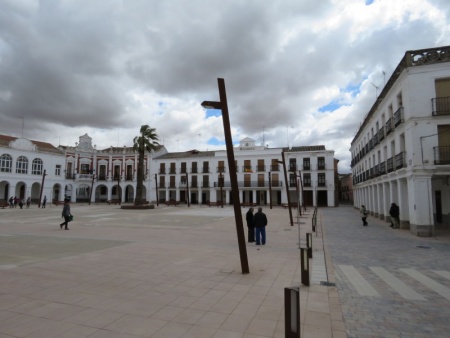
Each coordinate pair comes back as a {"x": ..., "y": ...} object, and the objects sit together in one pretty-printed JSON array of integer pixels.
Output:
[
  {"x": 292, "y": 312},
  {"x": 304, "y": 266},
  {"x": 309, "y": 244}
]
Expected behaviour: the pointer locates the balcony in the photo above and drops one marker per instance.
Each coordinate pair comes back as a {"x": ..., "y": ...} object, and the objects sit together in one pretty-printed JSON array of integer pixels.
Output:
[
  {"x": 251, "y": 184},
  {"x": 205, "y": 185},
  {"x": 194, "y": 171},
  {"x": 162, "y": 171},
  {"x": 84, "y": 177},
  {"x": 70, "y": 176},
  {"x": 441, "y": 155},
  {"x": 129, "y": 178},
  {"x": 221, "y": 169},
  {"x": 388, "y": 127},
  {"x": 375, "y": 139},
  {"x": 398, "y": 117},
  {"x": 390, "y": 165},
  {"x": 381, "y": 134},
  {"x": 382, "y": 168},
  {"x": 247, "y": 169},
  {"x": 376, "y": 170},
  {"x": 274, "y": 167},
  {"x": 101, "y": 178},
  {"x": 260, "y": 168},
  {"x": 172, "y": 171},
  {"x": 371, "y": 144},
  {"x": 399, "y": 160},
  {"x": 440, "y": 106},
  {"x": 205, "y": 170},
  {"x": 292, "y": 167}
]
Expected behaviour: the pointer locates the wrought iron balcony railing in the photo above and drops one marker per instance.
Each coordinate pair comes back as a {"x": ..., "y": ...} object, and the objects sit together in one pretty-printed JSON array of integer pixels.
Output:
[
  {"x": 441, "y": 155},
  {"x": 440, "y": 106}
]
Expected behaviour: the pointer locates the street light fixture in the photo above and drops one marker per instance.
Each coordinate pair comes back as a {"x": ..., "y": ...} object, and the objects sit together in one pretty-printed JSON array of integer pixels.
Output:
[
  {"x": 223, "y": 106},
  {"x": 287, "y": 187}
]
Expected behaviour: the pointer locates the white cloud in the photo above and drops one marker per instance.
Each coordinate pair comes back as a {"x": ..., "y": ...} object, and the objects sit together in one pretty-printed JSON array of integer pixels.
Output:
[{"x": 105, "y": 68}]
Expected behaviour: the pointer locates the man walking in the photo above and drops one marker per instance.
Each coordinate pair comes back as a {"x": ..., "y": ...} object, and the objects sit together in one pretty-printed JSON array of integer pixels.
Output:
[
  {"x": 260, "y": 221},
  {"x": 394, "y": 211}
]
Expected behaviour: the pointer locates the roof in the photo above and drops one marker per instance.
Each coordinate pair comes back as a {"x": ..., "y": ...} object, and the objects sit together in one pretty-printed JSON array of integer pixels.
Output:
[
  {"x": 305, "y": 148},
  {"x": 41, "y": 146},
  {"x": 412, "y": 58},
  {"x": 187, "y": 154}
]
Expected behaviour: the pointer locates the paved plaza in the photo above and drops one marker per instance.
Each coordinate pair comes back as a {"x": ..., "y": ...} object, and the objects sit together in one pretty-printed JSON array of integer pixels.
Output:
[{"x": 175, "y": 272}]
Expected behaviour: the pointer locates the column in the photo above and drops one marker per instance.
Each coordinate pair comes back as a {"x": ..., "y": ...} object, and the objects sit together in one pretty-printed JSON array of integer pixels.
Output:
[{"x": 420, "y": 206}]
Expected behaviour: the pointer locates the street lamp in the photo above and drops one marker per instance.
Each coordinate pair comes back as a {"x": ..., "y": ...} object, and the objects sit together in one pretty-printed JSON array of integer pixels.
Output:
[
  {"x": 270, "y": 190},
  {"x": 223, "y": 106},
  {"x": 156, "y": 185},
  {"x": 286, "y": 183}
]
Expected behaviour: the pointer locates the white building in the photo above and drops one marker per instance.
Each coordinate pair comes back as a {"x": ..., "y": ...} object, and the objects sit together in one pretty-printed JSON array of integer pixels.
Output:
[
  {"x": 194, "y": 175},
  {"x": 401, "y": 153},
  {"x": 23, "y": 164},
  {"x": 85, "y": 174}
]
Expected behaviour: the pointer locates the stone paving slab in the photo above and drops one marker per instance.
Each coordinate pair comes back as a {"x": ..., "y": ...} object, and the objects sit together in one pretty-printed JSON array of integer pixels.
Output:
[{"x": 168, "y": 272}]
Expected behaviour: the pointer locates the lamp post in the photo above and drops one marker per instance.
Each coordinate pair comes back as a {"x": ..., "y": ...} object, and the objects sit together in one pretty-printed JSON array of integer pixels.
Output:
[
  {"x": 223, "y": 106},
  {"x": 156, "y": 184},
  {"x": 187, "y": 190},
  {"x": 287, "y": 187},
  {"x": 270, "y": 190},
  {"x": 221, "y": 188},
  {"x": 92, "y": 187},
  {"x": 42, "y": 187}
]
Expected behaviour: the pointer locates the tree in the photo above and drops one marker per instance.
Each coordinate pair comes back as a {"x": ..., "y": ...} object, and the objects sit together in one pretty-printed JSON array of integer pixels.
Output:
[{"x": 146, "y": 141}]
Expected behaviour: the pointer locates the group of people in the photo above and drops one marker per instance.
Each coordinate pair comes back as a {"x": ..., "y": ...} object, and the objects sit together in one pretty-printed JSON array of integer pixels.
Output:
[
  {"x": 256, "y": 224},
  {"x": 394, "y": 212},
  {"x": 15, "y": 201}
]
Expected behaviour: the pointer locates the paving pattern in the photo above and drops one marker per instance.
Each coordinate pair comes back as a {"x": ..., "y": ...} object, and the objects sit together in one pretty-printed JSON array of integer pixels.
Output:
[{"x": 391, "y": 283}]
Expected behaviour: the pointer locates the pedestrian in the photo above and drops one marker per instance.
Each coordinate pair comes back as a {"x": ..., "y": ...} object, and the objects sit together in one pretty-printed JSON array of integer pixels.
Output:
[
  {"x": 260, "y": 222},
  {"x": 394, "y": 211},
  {"x": 44, "y": 202},
  {"x": 66, "y": 214},
  {"x": 28, "y": 201},
  {"x": 16, "y": 200},
  {"x": 251, "y": 227},
  {"x": 11, "y": 202},
  {"x": 20, "y": 203},
  {"x": 364, "y": 214}
]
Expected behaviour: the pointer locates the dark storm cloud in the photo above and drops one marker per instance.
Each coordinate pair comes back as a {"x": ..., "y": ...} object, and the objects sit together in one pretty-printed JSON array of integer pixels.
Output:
[{"x": 76, "y": 66}]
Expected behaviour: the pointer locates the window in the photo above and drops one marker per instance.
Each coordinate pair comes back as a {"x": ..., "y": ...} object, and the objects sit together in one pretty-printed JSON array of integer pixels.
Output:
[
  {"x": 58, "y": 170},
  {"x": 5, "y": 163},
  {"x": 36, "y": 167},
  {"x": 22, "y": 165},
  {"x": 306, "y": 180},
  {"x": 321, "y": 163},
  {"x": 321, "y": 180},
  {"x": 306, "y": 164},
  {"x": 84, "y": 169}
]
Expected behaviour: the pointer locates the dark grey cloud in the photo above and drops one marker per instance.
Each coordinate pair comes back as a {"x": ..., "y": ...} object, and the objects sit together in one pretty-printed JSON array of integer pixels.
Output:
[{"x": 106, "y": 67}]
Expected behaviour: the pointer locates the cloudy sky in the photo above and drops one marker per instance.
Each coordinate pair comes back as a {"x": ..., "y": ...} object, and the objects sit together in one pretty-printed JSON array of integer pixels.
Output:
[{"x": 297, "y": 72}]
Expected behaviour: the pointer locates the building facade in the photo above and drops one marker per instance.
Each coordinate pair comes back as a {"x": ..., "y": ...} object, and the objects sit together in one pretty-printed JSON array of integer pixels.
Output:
[
  {"x": 83, "y": 173},
  {"x": 203, "y": 177},
  {"x": 401, "y": 153}
]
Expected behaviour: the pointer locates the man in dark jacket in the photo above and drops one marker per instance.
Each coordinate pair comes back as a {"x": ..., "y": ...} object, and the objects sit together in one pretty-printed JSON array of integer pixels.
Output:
[
  {"x": 250, "y": 225},
  {"x": 394, "y": 211},
  {"x": 260, "y": 221}
]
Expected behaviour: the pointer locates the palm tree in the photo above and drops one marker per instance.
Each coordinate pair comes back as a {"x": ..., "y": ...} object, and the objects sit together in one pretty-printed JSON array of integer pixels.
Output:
[{"x": 146, "y": 141}]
